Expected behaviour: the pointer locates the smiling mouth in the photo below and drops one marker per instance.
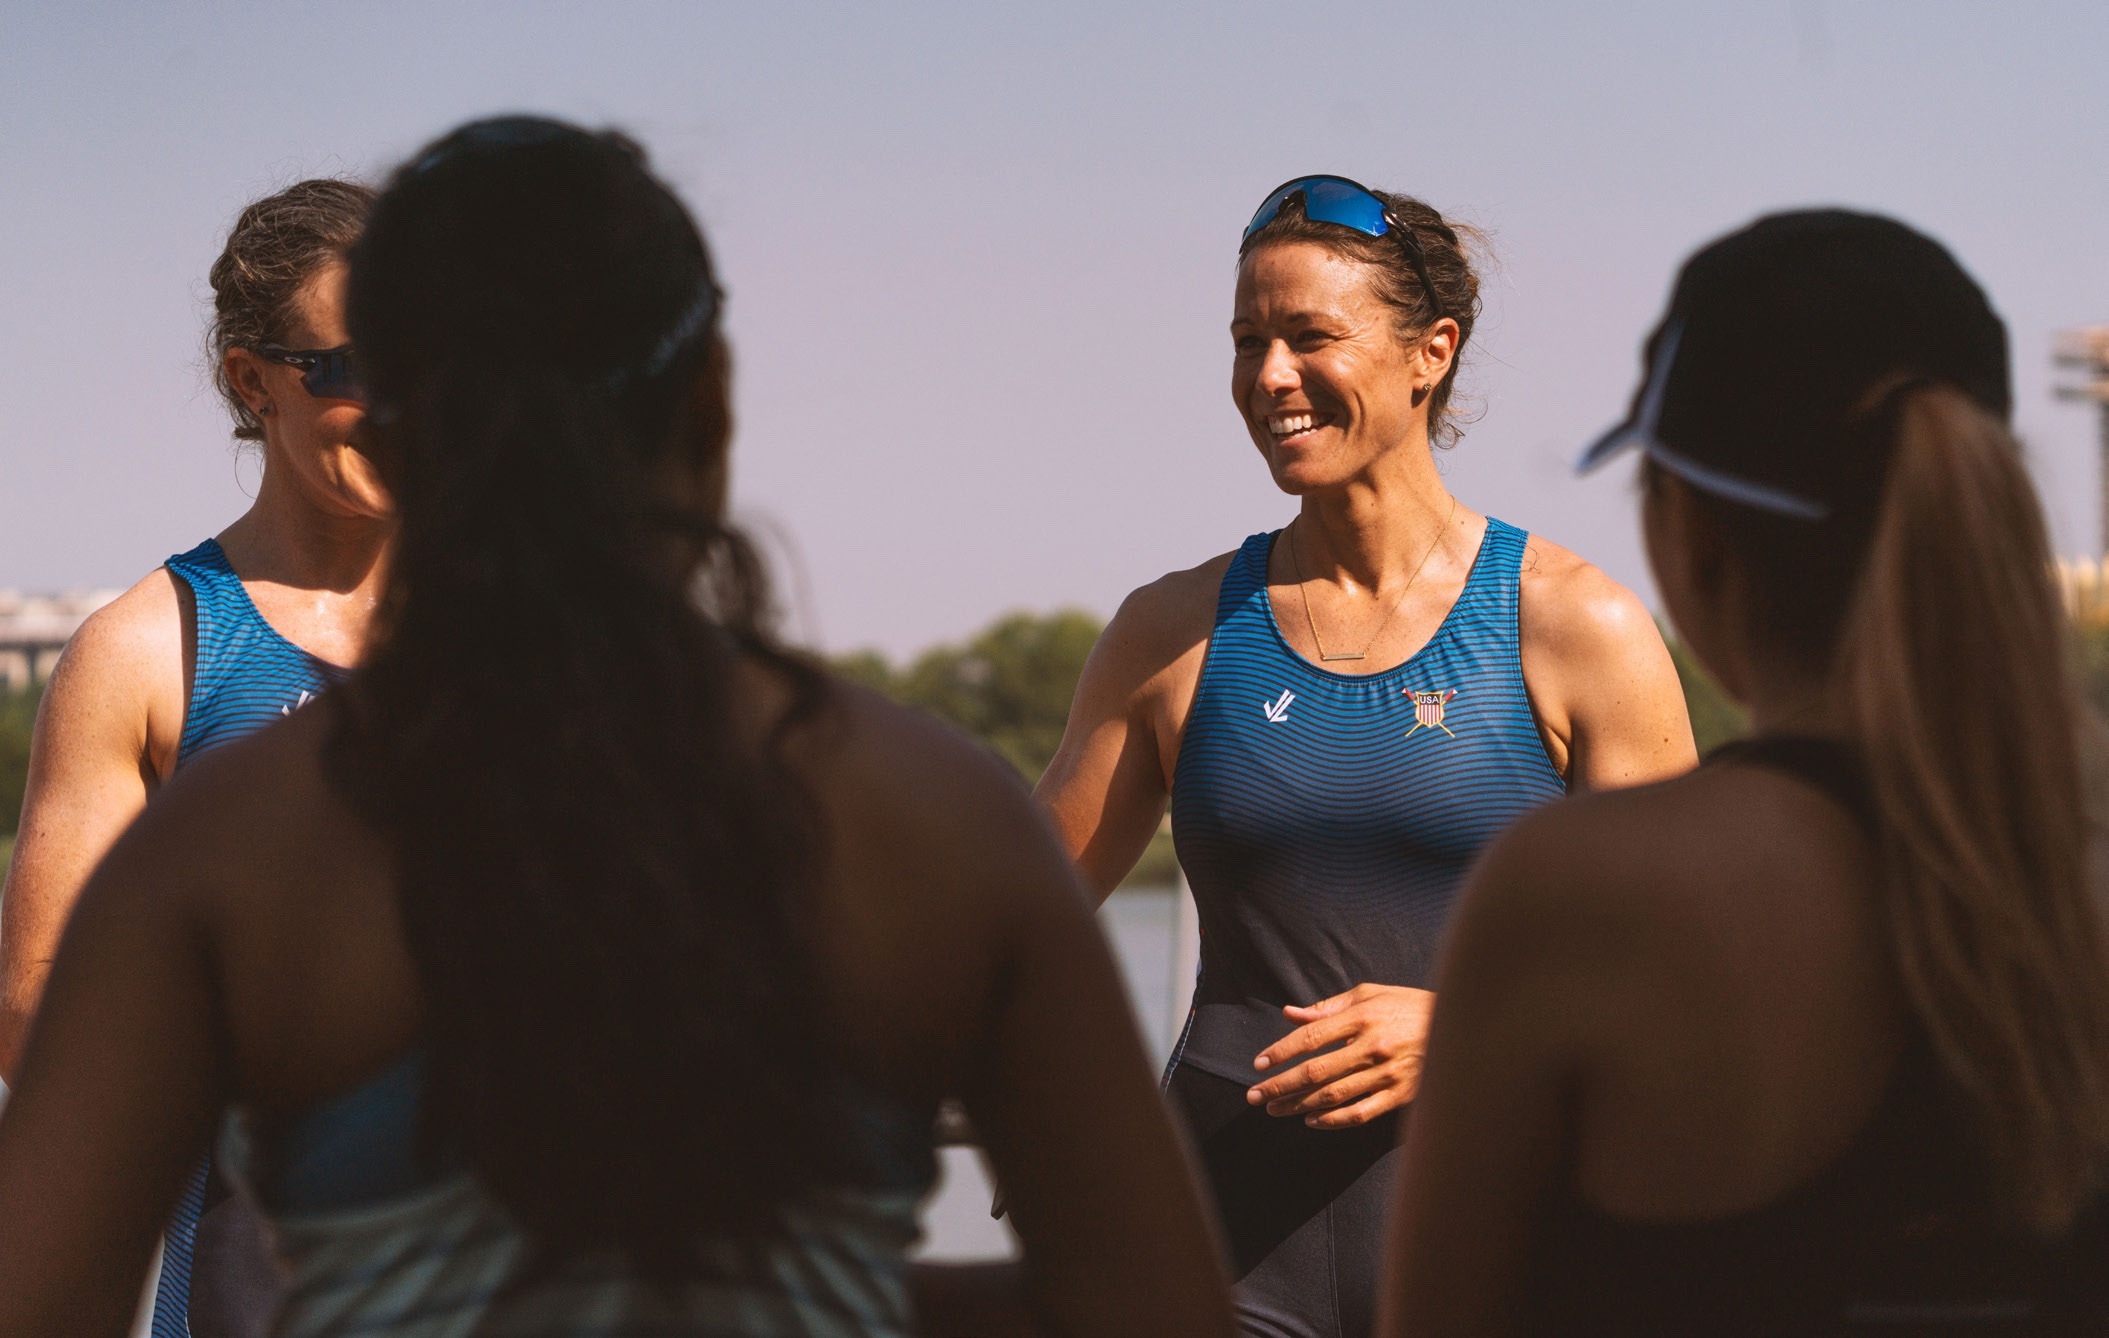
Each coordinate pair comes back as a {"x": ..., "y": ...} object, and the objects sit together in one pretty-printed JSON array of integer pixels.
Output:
[{"x": 1286, "y": 425}]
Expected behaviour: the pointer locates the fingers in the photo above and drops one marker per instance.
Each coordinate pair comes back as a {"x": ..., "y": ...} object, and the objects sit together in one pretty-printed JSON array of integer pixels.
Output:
[
  {"x": 1376, "y": 1071},
  {"x": 1325, "y": 1007},
  {"x": 1315, "y": 1036},
  {"x": 1384, "y": 1099},
  {"x": 1351, "y": 1082},
  {"x": 1304, "y": 1078}
]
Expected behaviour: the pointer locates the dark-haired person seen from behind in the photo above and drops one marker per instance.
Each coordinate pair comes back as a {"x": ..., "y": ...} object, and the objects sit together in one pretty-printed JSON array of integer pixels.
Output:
[
  {"x": 1341, "y": 714},
  {"x": 587, "y": 964},
  {"x": 216, "y": 643},
  {"x": 1815, "y": 1040}
]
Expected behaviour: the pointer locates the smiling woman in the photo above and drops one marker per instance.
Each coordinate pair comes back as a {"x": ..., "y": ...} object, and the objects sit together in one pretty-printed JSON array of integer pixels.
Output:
[{"x": 1341, "y": 714}]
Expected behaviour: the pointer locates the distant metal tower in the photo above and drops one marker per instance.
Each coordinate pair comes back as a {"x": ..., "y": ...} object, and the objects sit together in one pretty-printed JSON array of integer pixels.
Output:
[{"x": 2086, "y": 351}]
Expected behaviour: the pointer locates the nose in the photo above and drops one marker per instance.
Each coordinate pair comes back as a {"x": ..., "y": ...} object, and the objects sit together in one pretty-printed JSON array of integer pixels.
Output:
[{"x": 1278, "y": 375}]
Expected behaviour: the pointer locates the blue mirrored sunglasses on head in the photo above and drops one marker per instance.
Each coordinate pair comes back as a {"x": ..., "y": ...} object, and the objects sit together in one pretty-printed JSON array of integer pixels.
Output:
[
  {"x": 1329, "y": 199},
  {"x": 326, "y": 373}
]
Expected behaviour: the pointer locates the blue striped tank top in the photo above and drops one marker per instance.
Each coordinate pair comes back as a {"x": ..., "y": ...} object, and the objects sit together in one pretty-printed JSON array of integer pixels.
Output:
[
  {"x": 1325, "y": 821},
  {"x": 244, "y": 675}
]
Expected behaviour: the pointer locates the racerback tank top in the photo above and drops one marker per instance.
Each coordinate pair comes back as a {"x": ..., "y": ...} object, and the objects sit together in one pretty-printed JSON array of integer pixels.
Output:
[
  {"x": 1324, "y": 820},
  {"x": 244, "y": 675}
]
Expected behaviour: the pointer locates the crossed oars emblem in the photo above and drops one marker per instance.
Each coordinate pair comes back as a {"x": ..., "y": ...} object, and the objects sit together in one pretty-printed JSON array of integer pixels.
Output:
[{"x": 1428, "y": 710}]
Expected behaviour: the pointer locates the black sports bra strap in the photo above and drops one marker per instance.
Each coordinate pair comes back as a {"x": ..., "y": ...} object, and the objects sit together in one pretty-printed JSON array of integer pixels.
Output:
[{"x": 1827, "y": 764}]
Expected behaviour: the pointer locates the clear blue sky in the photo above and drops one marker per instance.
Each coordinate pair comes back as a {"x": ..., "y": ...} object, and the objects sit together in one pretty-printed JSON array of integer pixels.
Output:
[{"x": 980, "y": 255}]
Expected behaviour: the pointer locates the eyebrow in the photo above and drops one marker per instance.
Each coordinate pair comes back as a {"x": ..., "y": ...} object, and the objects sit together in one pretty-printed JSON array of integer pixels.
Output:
[{"x": 1301, "y": 314}]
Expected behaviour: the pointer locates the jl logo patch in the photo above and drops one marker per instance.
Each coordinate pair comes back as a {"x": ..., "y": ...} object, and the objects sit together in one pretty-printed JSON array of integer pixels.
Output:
[{"x": 1428, "y": 710}]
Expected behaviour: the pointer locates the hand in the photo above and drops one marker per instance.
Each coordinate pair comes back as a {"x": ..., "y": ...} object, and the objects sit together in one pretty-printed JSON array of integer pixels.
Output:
[{"x": 1378, "y": 1070}]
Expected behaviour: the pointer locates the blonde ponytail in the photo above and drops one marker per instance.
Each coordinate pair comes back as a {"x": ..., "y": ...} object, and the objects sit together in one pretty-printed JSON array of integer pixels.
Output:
[{"x": 1952, "y": 665}]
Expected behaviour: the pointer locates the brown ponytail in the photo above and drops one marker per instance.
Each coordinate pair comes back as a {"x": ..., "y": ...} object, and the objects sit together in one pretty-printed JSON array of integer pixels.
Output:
[{"x": 1951, "y": 662}]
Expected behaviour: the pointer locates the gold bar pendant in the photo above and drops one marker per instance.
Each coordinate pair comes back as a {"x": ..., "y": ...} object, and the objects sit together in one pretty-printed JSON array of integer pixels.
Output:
[{"x": 1351, "y": 655}]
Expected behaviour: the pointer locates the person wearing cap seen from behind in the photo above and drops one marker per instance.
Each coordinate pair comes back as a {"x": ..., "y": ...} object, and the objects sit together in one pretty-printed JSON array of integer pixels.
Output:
[
  {"x": 1341, "y": 713},
  {"x": 1815, "y": 1039}
]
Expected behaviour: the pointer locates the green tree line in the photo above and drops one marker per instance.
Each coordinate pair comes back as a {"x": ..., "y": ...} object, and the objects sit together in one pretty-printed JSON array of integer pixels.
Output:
[
  {"x": 18, "y": 713},
  {"x": 1009, "y": 686}
]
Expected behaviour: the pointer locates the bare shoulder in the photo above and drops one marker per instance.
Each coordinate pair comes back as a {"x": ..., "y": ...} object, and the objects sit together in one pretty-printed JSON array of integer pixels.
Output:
[
  {"x": 138, "y": 633},
  {"x": 1166, "y": 619},
  {"x": 121, "y": 675},
  {"x": 1691, "y": 878},
  {"x": 238, "y": 818},
  {"x": 913, "y": 792},
  {"x": 1572, "y": 608},
  {"x": 244, "y": 841}
]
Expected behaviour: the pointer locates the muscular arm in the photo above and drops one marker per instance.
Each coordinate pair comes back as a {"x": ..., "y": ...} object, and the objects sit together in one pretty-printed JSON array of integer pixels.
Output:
[
  {"x": 963, "y": 949},
  {"x": 1606, "y": 695},
  {"x": 1103, "y": 1197},
  {"x": 105, "y": 735},
  {"x": 117, "y": 1094},
  {"x": 1107, "y": 786}
]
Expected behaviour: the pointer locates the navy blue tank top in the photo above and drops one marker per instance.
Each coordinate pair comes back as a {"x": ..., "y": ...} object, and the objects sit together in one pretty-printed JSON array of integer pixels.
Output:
[
  {"x": 244, "y": 675},
  {"x": 1325, "y": 821}
]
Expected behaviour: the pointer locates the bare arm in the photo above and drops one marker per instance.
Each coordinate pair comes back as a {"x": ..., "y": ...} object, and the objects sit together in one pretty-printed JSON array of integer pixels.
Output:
[
  {"x": 93, "y": 762},
  {"x": 1489, "y": 1127},
  {"x": 963, "y": 960},
  {"x": 117, "y": 1095},
  {"x": 1100, "y": 1189},
  {"x": 1107, "y": 786},
  {"x": 1601, "y": 682}
]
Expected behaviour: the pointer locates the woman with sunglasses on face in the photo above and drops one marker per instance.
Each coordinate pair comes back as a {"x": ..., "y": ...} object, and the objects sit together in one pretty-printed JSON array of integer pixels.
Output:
[
  {"x": 586, "y": 963},
  {"x": 1341, "y": 713},
  {"x": 1815, "y": 1040},
  {"x": 218, "y": 642}
]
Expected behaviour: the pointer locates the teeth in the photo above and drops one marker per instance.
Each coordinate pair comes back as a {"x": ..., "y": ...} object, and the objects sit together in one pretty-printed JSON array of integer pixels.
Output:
[{"x": 1282, "y": 425}]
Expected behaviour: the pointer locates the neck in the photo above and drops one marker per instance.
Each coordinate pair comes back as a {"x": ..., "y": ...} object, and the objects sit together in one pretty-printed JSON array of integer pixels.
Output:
[
  {"x": 287, "y": 538},
  {"x": 1373, "y": 531},
  {"x": 1789, "y": 699}
]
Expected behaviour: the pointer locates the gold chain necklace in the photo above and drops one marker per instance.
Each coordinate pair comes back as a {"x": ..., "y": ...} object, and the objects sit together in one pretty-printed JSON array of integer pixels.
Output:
[{"x": 1296, "y": 563}]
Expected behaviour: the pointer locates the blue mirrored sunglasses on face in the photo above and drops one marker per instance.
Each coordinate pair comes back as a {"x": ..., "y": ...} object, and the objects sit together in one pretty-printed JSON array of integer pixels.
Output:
[
  {"x": 326, "y": 373},
  {"x": 1329, "y": 199}
]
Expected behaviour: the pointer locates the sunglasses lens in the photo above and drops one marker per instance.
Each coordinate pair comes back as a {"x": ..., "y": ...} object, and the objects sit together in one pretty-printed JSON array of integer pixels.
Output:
[
  {"x": 1269, "y": 207},
  {"x": 1326, "y": 200},
  {"x": 1349, "y": 206},
  {"x": 335, "y": 376}
]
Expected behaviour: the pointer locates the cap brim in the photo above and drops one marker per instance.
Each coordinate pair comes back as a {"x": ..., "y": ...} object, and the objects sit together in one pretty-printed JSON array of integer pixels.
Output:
[{"x": 1627, "y": 436}]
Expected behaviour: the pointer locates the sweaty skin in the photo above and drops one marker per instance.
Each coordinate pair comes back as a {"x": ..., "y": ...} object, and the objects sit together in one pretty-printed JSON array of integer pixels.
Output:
[
  {"x": 1336, "y": 404},
  {"x": 310, "y": 552}
]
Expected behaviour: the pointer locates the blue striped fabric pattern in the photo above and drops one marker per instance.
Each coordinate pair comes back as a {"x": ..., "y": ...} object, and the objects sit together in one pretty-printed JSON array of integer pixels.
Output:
[
  {"x": 244, "y": 677},
  {"x": 1324, "y": 822}
]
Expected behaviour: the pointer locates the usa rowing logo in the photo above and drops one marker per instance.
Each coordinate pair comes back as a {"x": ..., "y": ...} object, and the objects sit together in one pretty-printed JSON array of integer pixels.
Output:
[{"x": 1428, "y": 710}]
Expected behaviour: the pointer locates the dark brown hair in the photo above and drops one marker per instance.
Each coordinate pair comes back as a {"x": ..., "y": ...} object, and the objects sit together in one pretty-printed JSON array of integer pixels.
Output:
[
  {"x": 603, "y": 874},
  {"x": 1920, "y": 591},
  {"x": 275, "y": 248},
  {"x": 1445, "y": 248}
]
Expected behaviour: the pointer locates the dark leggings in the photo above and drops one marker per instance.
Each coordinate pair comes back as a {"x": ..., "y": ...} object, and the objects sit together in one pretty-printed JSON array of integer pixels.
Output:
[{"x": 1304, "y": 1209}]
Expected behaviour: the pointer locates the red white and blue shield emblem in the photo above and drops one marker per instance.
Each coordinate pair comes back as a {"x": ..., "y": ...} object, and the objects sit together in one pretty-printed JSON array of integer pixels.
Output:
[{"x": 1428, "y": 710}]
